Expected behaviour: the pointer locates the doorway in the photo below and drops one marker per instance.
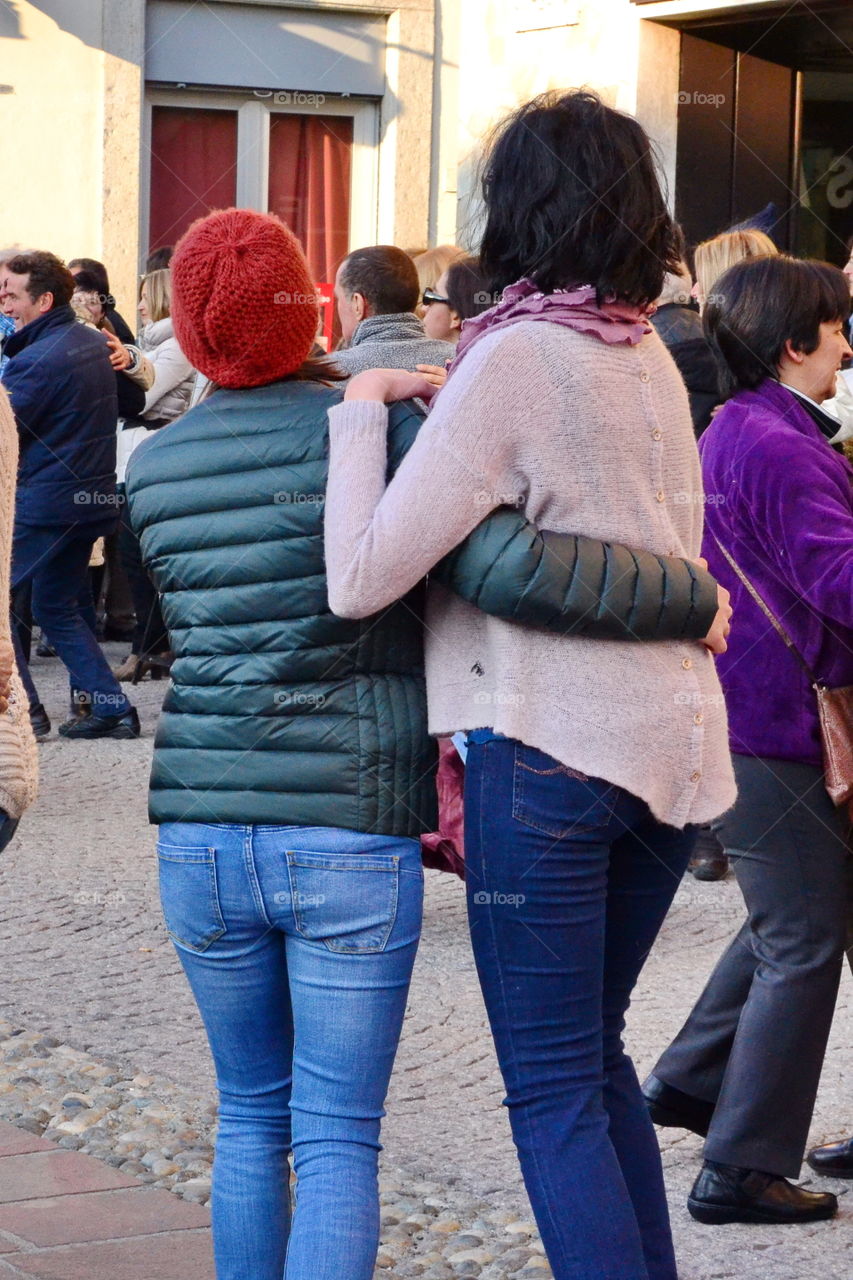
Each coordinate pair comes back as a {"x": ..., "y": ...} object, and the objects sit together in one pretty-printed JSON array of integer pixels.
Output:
[{"x": 763, "y": 125}]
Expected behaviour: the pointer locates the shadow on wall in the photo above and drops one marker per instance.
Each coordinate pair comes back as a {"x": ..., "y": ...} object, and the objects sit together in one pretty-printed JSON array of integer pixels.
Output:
[
  {"x": 80, "y": 18},
  {"x": 10, "y": 21}
]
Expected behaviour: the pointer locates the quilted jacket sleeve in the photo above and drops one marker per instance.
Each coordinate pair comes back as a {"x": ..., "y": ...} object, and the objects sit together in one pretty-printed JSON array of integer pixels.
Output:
[
  {"x": 577, "y": 585},
  {"x": 565, "y": 582}
]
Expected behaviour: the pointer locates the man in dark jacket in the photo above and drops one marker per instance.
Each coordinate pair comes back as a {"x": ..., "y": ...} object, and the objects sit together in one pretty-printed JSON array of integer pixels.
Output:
[{"x": 63, "y": 391}]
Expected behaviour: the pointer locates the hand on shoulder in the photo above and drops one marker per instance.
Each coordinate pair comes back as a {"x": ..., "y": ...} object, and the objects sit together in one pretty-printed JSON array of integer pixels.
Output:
[{"x": 388, "y": 385}]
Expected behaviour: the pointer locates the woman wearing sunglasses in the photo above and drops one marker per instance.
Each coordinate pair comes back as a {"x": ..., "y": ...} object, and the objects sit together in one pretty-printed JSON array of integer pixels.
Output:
[{"x": 462, "y": 291}]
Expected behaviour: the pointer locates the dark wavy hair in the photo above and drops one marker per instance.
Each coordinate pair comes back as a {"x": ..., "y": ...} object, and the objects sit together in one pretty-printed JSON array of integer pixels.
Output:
[
  {"x": 467, "y": 288},
  {"x": 759, "y": 304},
  {"x": 91, "y": 267},
  {"x": 573, "y": 197},
  {"x": 47, "y": 274}
]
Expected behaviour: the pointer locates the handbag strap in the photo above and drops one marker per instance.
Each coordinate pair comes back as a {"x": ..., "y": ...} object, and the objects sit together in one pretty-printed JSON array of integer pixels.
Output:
[{"x": 768, "y": 613}]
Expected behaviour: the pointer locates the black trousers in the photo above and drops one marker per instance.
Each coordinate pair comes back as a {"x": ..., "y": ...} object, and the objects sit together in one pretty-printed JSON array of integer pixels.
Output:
[
  {"x": 149, "y": 636},
  {"x": 755, "y": 1041}
]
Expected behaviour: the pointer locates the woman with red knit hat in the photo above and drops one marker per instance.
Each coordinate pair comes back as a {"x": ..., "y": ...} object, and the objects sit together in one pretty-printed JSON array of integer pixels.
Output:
[{"x": 293, "y": 770}]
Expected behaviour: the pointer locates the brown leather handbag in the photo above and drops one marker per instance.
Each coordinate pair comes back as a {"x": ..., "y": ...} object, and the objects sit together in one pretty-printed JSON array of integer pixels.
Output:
[{"x": 834, "y": 708}]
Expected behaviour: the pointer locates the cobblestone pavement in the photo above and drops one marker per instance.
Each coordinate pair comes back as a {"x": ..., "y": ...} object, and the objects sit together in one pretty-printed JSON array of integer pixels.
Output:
[{"x": 86, "y": 959}]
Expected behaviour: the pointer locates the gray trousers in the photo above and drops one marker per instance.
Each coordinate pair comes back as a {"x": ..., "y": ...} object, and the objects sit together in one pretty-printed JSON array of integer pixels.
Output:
[{"x": 755, "y": 1041}]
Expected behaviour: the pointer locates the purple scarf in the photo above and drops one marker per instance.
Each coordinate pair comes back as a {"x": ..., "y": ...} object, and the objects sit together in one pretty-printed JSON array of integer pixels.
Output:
[{"x": 575, "y": 308}]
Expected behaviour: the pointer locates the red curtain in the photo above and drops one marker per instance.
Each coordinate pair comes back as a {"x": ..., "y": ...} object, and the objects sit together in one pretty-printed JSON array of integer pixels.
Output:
[
  {"x": 310, "y": 185},
  {"x": 193, "y": 168}
]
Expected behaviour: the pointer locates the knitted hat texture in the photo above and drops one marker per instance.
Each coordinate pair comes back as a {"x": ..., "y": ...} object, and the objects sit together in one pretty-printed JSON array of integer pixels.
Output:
[{"x": 244, "y": 306}]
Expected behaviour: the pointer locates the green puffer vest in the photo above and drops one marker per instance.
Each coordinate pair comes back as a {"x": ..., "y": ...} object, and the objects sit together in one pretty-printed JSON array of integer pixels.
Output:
[{"x": 279, "y": 712}]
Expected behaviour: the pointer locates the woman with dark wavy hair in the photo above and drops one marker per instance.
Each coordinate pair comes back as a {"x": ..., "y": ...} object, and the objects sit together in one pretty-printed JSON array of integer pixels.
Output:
[{"x": 590, "y": 761}]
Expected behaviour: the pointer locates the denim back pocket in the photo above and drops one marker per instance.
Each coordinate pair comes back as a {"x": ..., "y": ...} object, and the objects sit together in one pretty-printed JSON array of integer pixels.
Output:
[
  {"x": 189, "y": 895},
  {"x": 347, "y": 901},
  {"x": 557, "y": 800}
]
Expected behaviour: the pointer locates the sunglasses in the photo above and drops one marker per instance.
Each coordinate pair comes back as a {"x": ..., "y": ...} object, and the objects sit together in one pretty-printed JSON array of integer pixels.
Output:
[{"x": 431, "y": 296}]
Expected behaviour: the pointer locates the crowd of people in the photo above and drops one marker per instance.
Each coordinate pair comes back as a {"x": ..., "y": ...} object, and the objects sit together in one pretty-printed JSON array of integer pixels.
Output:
[{"x": 483, "y": 519}]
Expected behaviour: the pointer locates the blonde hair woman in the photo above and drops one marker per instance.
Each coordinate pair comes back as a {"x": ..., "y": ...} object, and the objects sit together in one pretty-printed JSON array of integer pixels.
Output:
[
  {"x": 715, "y": 256},
  {"x": 167, "y": 398},
  {"x": 431, "y": 265}
]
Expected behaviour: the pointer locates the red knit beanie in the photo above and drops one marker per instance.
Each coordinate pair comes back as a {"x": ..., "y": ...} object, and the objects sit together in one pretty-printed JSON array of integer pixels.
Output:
[{"x": 244, "y": 306}]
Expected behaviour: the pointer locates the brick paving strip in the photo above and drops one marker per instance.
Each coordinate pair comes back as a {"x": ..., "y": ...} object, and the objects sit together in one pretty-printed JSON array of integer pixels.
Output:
[
  {"x": 114, "y": 1145},
  {"x": 67, "y": 1216}
]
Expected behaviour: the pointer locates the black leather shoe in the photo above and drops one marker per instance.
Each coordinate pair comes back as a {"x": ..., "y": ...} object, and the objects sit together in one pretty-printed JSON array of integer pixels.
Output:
[
  {"x": 673, "y": 1109},
  {"x": 87, "y": 727},
  {"x": 709, "y": 860},
  {"x": 724, "y": 1193},
  {"x": 709, "y": 866},
  {"x": 44, "y": 649},
  {"x": 40, "y": 722},
  {"x": 834, "y": 1160}
]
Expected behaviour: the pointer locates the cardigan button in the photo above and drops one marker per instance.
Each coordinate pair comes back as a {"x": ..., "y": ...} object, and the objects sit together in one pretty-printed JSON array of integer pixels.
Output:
[
  {"x": 645, "y": 377},
  {"x": 694, "y": 777},
  {"x": 660, "y": 496},
  {"x": 698, "y": 718},
  {"x": 687, "y": 663},
  {"x": 657, "y": 433}
]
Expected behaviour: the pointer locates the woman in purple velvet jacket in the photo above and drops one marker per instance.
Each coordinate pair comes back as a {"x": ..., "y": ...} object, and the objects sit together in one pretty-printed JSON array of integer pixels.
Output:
[{"x": 744, "y": 1069}]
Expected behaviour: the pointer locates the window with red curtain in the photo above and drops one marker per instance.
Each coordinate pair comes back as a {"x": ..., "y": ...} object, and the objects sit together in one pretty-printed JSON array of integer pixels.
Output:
[
  {"x": 193, "y": 168},
  {"x": 309, "y": 185}
]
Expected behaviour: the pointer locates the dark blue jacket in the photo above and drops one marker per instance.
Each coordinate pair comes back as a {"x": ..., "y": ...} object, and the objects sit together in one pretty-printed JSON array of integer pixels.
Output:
[{"x": 63, "y": 391}]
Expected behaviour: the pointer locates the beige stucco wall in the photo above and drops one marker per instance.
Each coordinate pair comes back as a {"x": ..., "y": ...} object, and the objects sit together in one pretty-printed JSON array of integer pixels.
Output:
[
  {"x": 605, "y": 45},
  {"x": 50, "y": 139},
  {"x": 69, "y": 138},
  {"x": 404, "y": 126},
  {"x": 71, "y": 124}
]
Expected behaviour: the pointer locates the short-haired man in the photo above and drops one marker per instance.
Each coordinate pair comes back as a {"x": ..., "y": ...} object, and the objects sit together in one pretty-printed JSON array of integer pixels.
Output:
[
  {"x": 377, "y": 291},
  {"x": 63, "y": 392}
]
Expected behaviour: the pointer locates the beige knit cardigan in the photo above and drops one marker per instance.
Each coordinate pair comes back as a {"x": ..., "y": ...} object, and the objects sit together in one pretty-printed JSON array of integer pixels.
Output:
[
  {"x": 18, "y": 750},
  {"x": 587, "y": 438}
]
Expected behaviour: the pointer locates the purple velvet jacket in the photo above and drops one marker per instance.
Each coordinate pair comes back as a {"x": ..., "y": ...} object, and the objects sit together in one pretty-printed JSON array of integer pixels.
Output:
[{"x": 779, "y": 499}]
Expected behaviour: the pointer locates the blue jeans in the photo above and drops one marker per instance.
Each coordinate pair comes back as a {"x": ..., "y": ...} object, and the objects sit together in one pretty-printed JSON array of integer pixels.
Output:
[
  {"x": 298, "y": 943},
  {"x": 569, "y": 879},
  {"x": 55, "y": 559}
]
